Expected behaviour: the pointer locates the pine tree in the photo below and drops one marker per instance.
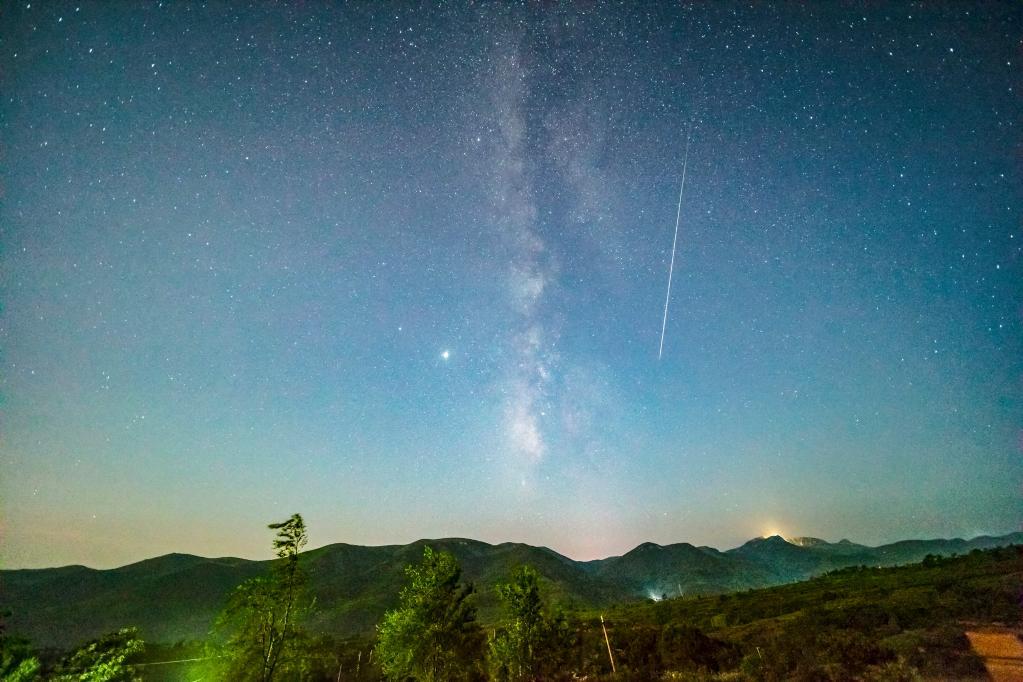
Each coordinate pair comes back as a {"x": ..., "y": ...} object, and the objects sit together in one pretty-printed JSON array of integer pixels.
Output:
[
  {"x": 259, "y": 626},
  {"x": 433, "y": 635},
  {"x": 533, "y": 643}
]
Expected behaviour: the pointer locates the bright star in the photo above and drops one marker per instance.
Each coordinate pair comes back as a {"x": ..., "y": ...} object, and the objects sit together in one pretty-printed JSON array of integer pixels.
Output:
[{"x": 445, "y": 355}]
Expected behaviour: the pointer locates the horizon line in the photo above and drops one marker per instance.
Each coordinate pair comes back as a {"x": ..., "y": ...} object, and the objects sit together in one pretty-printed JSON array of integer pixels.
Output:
[{"x": 789, "y": 539}]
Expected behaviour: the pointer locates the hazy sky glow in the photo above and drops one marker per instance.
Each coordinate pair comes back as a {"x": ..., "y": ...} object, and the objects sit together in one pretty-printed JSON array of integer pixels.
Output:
[{"x": 402, "y": 269}]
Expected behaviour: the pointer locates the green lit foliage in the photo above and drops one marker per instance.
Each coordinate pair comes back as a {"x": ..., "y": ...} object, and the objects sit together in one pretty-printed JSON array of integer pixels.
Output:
[
  {"x": 533, "y": 644},
  {"x": 26, "y": 670},
  {"x": 17, "y": 660},
  {"x": 259, "y": 628},
  {"x": 892, "y": 671},
  {"x": 433, "y": 634},
  {"x": 103, "y": 660}
]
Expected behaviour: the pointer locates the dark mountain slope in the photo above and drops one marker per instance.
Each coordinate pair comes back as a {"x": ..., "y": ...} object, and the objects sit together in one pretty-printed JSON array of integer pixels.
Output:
[
  {"x": 655, "y": 570},
  {"x": 177, "y": 596},
  {"x": 804, "y": 558},
  {"x": 170, "y": 597}
]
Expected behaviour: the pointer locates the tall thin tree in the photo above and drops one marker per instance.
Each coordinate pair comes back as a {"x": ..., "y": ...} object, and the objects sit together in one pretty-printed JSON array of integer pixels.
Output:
[{"x": 259, "y": 625}]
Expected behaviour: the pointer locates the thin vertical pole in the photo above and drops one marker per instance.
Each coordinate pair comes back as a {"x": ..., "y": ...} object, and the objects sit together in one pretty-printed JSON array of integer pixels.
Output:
[{"x": 608, "y": 642}]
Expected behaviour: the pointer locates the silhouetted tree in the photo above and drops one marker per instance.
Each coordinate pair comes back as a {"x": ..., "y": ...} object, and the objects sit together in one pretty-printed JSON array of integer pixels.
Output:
[
  {"x": 259, "y": 624},
  {"x": 433, "y": 634},
  {"x": 684, "y": 647}
]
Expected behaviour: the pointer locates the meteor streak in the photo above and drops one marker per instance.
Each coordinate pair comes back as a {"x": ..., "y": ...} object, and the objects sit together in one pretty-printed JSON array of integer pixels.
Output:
[{"x": 678, "y": 216}]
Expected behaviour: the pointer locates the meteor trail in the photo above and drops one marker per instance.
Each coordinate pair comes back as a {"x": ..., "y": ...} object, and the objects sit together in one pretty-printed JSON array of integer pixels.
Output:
[{"x": 678, "y": 216}]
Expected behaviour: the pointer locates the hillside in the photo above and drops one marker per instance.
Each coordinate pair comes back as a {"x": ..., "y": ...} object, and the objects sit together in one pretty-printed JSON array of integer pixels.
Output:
[
  {"x": 176, "y": 597},
  {"x": 901, "y": 619},
  {"x": 655, "y": 571}
]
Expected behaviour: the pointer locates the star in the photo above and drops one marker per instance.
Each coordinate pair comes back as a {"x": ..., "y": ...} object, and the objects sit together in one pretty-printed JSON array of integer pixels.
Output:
[{"x": 821, "y": 259}]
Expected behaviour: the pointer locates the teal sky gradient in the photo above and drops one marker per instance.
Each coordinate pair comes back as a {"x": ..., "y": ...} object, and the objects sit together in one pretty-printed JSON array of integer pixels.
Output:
[{"x": 236, "y": 244}]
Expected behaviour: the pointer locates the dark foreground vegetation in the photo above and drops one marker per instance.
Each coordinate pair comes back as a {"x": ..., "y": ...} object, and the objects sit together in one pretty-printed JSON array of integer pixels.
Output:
[{"x": 858, "y": 623}]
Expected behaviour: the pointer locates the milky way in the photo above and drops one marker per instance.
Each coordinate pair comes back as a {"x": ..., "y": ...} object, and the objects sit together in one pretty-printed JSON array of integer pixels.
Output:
[{"x": 400, "y": 267}]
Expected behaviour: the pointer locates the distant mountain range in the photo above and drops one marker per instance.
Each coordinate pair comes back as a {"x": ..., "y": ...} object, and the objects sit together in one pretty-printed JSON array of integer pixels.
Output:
[{"x": 176, "y": 597}]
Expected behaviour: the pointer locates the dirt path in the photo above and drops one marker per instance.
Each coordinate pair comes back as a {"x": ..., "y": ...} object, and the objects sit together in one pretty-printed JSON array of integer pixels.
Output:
[{"x": 1002, "y": 653}]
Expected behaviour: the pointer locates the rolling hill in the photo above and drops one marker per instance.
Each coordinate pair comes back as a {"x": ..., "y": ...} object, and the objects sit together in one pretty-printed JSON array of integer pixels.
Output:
[{"x": 176, "y": 597}]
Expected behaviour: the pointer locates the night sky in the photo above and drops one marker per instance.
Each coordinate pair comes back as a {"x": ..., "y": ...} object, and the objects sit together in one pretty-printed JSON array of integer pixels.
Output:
[{"x": 402, "y": 268}]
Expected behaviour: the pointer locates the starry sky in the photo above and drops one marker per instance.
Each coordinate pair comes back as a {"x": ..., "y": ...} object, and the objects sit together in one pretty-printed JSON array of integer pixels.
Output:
[{"x": 402, "y": 268}]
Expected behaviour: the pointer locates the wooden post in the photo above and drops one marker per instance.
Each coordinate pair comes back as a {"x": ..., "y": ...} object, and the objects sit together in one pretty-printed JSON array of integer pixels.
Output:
[{"x": 608, "y": 642}]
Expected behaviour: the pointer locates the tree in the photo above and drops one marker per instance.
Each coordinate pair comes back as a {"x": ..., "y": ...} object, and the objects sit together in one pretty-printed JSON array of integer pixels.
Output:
[
  {"x": 26, "y": 670},
  {"x": 103, "y": 660},
  {"x": 18, "y": 662},
  {"x": 684, "y": 647},
  {"x": 259, "y": 624},
  {"x": 533, "y": 642},
  {"x": 433, "y": 634}
]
